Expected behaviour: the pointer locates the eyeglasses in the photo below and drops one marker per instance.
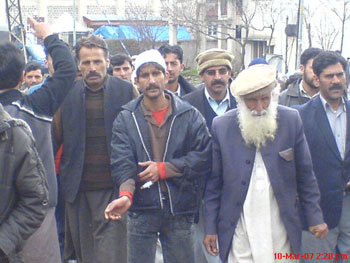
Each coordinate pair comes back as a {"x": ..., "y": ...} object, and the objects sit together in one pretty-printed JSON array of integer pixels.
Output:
[{"x": 212, "y": 72}]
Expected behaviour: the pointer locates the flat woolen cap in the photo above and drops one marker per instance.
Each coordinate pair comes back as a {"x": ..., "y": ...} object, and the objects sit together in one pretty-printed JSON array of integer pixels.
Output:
[
  {"x": 214, "y": 57},
  {"x": 253, "y": 79},
  {"x": 149, "y": 56}
]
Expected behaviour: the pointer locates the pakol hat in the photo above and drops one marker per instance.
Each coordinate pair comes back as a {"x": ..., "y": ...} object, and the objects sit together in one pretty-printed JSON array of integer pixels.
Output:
[
  {"x": 256, "y": 78},
  {"x": 149, "y": 56},
  {"x": 214, "y": 57}
]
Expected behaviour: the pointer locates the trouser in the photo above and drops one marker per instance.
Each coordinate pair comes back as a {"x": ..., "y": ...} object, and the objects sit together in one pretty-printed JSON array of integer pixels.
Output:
[
  {"x": 174, "y": 232},
  {"x": 90, "y": 238},
  {"x": 324, "y": 250}
]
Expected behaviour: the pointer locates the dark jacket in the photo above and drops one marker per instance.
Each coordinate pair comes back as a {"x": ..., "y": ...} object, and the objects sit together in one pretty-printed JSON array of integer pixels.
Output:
[
  {"x": 188, "y": 148},
  {"x": 116, "y": 93},
  {"x": 185, "y": 86},
  {"x": 288, "y": 165},
  {"x": 38, "y": 108},
  {"x": 23, "y": 185},
  {"x": 332, "y": 172},
  {"x": 198, "y": 100},
  {"x": 292, "y": 95}
]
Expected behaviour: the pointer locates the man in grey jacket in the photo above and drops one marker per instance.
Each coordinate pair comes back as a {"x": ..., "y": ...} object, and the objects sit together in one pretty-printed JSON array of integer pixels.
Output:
[
  {"x": 37, "y": 110},
  {"x": 23, "y": 187},
  {"x": 302, "y": 89}
]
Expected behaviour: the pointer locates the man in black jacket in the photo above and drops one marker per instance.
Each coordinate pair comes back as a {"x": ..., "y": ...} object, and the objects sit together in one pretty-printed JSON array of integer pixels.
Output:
[
  {"x": 86, "y": 119},
  {"x": 213, "y": 97},
  {"x": 173, "y": 56},
  {"x": 23, "y": 187},
  {"x": 37, "y": 110},
  {"x": 160, "y": 154}
]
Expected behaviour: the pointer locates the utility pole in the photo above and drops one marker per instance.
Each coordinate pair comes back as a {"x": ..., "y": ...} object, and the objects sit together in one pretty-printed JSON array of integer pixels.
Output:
[
  {"x": 172, "y": 25},
  {"x": 15, "y": 25},
  {"x": 74, "y": 26},
  {"x": 300, "y": 33}
]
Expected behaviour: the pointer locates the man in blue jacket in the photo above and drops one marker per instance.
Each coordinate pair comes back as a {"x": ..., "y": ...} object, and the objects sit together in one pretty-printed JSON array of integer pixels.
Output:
[
  {"x": 160, "y": 154},
  {"x": 261, "y": 165},
  {"x": 37, "y": 110},
  {"x": 326, "y": 121}
]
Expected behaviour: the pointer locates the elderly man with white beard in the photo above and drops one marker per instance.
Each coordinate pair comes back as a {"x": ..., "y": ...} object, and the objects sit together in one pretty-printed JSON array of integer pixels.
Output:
[{"x": 261, "y": 170}]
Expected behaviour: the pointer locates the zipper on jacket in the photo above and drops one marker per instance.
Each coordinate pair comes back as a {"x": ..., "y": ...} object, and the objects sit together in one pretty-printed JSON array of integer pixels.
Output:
[
  {"x": 164, "y": 156},
  {"x": 148, "y": 155}
]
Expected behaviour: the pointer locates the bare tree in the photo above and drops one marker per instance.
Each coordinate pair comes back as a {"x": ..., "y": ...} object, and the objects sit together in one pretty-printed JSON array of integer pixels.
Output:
[
  {"x": 326, "y": 34},
  {"x": 237, "y": 28},
  {"x": 270, "y": 13},
  {"x": 143, "y": 24},
  {"x": 341, "y": 9},
  {"x": 309, "y": 14}
]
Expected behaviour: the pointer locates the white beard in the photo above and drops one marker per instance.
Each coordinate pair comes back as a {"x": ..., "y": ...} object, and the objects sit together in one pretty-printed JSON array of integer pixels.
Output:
[{"x": 257, "y": 130}]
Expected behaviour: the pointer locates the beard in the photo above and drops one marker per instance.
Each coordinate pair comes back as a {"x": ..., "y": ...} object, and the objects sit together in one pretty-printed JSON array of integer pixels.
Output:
[
  {"x": 257, "y": 128},
  {"x": 309, "y": 81}
]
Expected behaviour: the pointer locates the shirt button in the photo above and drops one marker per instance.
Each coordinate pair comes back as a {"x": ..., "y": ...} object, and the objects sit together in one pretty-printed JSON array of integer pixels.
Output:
[
  {"x": 243, "y": 182},
  {"x": 247, "y": 161},
  {"x": 239, "y": 203}
]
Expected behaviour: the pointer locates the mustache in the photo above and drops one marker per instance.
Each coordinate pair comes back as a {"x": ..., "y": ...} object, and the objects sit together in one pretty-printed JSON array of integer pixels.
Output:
[
  {"x": 336, "y": 87},
  {"x": 152, "y": 86},
  {"x": 93, "y": 75},
  {"x": 218, "y": 82},
  {"x": 256, "y": 113}
]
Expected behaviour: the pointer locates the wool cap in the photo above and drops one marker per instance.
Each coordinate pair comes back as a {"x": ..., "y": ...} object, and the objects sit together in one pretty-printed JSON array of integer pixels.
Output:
[
  {"x": 149, "y": 56},
  {"x": 259, "y": 77},
  {"x": 214, "y": 57}
]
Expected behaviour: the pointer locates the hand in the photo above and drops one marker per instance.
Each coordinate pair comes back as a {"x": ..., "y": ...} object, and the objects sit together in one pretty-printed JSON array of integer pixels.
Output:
[
  {"x": 41, "y": 30},
  {"x": 319, "y": 231},
  {"x": 151, "y": 173},
  {"x": 117, "y": 208},
  {"x": 210, "y": 243}
]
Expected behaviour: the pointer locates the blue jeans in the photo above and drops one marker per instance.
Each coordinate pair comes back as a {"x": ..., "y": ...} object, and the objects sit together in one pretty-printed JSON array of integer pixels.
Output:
[{"x": 174, "y": 232}]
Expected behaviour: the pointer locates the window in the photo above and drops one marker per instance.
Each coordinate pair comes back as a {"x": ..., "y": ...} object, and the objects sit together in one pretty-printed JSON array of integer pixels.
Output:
[{"x": 212, "y": 30}]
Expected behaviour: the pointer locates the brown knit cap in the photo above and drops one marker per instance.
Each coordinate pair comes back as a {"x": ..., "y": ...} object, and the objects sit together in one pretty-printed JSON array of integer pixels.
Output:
[
  {"x": 257, "y": 79},
  {"x": 214, "y": 57}
]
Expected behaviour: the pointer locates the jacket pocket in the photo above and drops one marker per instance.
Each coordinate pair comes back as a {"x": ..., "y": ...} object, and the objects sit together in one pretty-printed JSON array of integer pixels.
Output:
[{"x": 287, "y": 155}]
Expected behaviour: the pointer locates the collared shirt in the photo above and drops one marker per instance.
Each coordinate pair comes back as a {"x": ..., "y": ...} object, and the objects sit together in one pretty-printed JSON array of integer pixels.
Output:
[
  {"x": 303, "y": 91},
  {"x": 337, "y": 121},
  {"x": 178, "y": 92},
  {"x": 218, "y": 108}
]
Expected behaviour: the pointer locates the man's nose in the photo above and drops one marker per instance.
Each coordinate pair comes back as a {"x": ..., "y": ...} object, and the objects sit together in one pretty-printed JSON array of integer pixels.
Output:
[{"x": 259, "y": 106}]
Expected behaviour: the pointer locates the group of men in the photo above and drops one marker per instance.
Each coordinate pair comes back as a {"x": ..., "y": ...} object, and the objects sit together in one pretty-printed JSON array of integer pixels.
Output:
[{"x": 221, "y": 169}]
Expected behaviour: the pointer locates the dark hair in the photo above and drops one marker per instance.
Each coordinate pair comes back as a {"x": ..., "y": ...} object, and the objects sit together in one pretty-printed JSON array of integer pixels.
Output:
[
  {"x": 31, "y": 66},
  {"x": 150, "y": 63},
  {"x": 120, "y": 58},
  {"x": 308, "y": 54},
  {"x": 325, "y": 59},
  {"x": 11, "y": 65},
  {"x": 91, "y": 42},
  {"x": 167, "y": 49}
]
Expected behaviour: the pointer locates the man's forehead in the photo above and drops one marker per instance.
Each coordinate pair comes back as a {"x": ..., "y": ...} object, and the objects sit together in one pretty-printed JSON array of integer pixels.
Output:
[
  {"x": 85, "y": 52},
  {"x": 149, "y": 68},
  {"x": 171, "y": 56},
  {"x": 35, "y": 72},
  {"x": 123, "y": 65}
]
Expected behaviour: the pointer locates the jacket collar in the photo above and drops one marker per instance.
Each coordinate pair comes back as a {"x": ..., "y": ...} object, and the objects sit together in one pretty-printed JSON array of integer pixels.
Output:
[
  {"x": 178, "y": 105},
  {"x": 294, "y": 90},
  {"x": 10, "y": 96}
]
